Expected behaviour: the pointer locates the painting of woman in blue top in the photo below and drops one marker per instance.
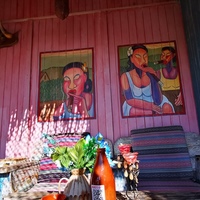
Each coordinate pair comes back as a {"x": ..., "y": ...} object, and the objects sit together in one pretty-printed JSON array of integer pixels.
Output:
[
  {"x": 77, "y": 87},
  {"x": 140, "y": 86}
]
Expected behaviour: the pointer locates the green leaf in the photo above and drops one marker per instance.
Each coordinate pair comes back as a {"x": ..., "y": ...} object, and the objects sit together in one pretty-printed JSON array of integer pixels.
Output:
[{"x": 65, "y": 161}]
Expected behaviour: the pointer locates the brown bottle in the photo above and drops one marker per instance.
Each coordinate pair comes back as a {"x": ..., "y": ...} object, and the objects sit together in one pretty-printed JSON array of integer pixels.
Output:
[{"x": 102, "y": 178}]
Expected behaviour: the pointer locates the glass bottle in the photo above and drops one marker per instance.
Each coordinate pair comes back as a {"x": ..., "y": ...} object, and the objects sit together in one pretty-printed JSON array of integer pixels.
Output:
[{"x": 102, "y": 178}]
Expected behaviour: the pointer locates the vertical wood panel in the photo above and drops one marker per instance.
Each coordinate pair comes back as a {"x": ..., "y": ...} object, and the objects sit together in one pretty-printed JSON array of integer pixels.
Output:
[
  {"x": 20, "y": 6},
  {"x": 3, "y": 132},
  {"x": 13, "y": 9},
  {"x": 96, "y": 4},
  {"x": 33, "y": 12},
  {"x": 40, "y": 8},
  {"x": 74, "y": 5},
  {"x": 115, "y": 39},
  {"x": 27, "y": 9},
  {"x": 50, "y": 39},
  {"x": 108, "y": 120},
  {"x": 100, "y": 88},
  {"x": 83, "y": 32},
  {"x": 7, "y": 91},
  {"x": 7, "y": 11},
  {"x": 89, "y": 5},
  {"x": 91, "y": 19},
  {"x": 70, "y": 32},
  {"x": 34, "y": 89},
  {"x": 63, "y": 34}
]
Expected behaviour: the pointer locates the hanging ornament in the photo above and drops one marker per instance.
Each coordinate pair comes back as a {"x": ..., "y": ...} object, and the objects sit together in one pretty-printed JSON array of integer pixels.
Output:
[
  {"x": 62, "y": 8},
  {"x": 7, "y": 39}
]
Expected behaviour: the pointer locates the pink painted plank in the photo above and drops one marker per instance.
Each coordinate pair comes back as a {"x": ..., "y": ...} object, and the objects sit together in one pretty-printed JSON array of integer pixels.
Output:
[
  {"x": 103, "y": 4},
  {"x": 24, "y": 73},
  {"x": 83, "y": 32},
  {"x": 33, "y": 11},
  {"x": 15, "y": 67},
  {"x": 99, "y": 84},
  {"x": 124, "y": 27},
  {"x": 91, "y": 19},
  {"x": 132, "y": 26},
  {"x": 82, "y": 5},
  {"x": 163, "y": 23},
  {"x": 77, "y": 32},
  {"x": 139, "y": 25},
  {"x": 114, "y": 29},
  {"x": 91, "y": 30},
  {"x": 63, "y": 34},
  {"x": 49, "y": 37},
  {"x": 118, "y": 3},
  {"x": 55, "y": 34},
  {"x": 170, "y": 17},
  {"x": 7, "y": 11},
  {"x": 3, "y": 132},
  {"x": 155, "y": 24},
  {"x": 158, "y": 121},
  {"x": 2, "y": 16},
  {"x": 27, "y": 9},
  {"x": 48, "y": 5},
  {"x": 96, "y": 4},
  {"x": 35, "y": 73},
  {"x": 89, "y": 5},
  {"x": 70, "y": 32},
  {"x": 40, "y": 38},
  {"x": 74, "y": 6},
  {"x": 40, "y": 8},
  {"x": 147, "y": 23},
  {"x": 13, "y": 9},
  {"x": 125, "y": 2},
  {"x": 107, "y": 73},
  {"x": 20, "y": 6},
  {"x": 111, "y": 4}
]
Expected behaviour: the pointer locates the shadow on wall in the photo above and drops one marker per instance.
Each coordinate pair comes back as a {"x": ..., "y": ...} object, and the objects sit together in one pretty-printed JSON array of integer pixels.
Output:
[{"x": 24, "y": 135}]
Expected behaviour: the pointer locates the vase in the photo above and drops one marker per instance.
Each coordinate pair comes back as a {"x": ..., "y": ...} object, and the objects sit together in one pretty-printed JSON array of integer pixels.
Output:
[{"x": 78, "y": 186}]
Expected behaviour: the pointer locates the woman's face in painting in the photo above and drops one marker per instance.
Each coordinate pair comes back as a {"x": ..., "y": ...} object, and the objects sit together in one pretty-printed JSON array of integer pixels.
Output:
[
  {"x": 167, "y": 56},
  {"x": 74, "y": 81},
  {"x": 139, "y": 58}
]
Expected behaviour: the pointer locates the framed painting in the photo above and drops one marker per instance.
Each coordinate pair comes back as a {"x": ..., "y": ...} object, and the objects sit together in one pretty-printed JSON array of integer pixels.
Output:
[
  {"x": 66, "y": 85},
  {"x": 150, "y": 81}
]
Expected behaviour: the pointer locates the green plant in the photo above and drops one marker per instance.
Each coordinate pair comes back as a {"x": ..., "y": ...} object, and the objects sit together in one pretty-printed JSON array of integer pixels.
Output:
[{"x": 81, "y": 155}]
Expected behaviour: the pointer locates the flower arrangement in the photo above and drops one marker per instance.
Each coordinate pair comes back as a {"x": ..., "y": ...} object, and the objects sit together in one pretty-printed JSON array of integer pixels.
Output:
[{"x": 81, "y": 155}]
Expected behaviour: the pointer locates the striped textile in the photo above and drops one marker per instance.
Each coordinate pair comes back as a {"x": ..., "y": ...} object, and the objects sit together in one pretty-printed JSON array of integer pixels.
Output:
[
  {"x": 66, "y": 140},
  {"x": 49, "y": 171},
  {"x": 175, "y": 186},
  {"x": 162, "y": 155}
]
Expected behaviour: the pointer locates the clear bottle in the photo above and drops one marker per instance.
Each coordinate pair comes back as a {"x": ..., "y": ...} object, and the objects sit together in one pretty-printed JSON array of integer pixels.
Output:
[{"x": 102, "y": 178}]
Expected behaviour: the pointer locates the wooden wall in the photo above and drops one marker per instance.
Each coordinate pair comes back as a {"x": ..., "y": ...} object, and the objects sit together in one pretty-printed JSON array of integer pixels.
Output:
[{"x": 103, "y": 25}]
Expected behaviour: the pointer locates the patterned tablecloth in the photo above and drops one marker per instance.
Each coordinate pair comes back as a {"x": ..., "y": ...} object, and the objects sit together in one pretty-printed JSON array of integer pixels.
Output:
[{"x": 19, "y": 176}]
